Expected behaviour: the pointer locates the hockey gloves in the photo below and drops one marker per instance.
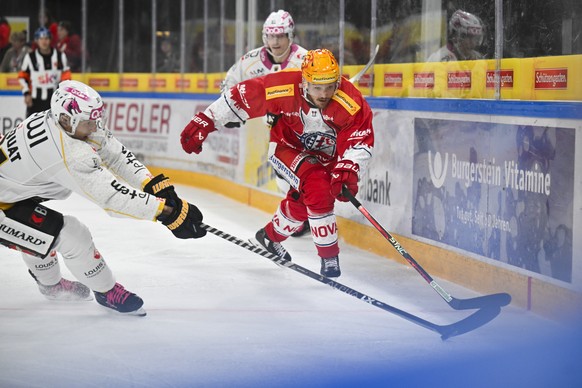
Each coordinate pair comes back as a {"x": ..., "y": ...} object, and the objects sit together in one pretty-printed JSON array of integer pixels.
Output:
[
  {"x": 161, "y": 187},
  {"x": 184, "y": 221},
  {"x": 194, "y": 134},
  {"x": 345, "y": 173}
]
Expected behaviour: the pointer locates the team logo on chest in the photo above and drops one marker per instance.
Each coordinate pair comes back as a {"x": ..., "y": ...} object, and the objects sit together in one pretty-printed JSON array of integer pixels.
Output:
[{"x": 317, "y": 135}]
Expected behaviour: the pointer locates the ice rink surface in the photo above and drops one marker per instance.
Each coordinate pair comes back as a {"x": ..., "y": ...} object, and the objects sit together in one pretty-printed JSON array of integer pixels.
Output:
[{"x": 221, "y": 316}]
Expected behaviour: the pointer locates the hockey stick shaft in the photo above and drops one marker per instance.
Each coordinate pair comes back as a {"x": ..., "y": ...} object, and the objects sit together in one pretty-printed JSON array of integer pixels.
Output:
[
  {"x": 500, "y": 299},
  {"x": 470, "y": 323},
  {"x": 357, "y": 77}
]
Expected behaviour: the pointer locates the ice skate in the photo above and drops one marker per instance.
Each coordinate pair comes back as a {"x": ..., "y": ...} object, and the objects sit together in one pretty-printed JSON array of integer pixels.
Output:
[
  {"x": 262, "y": 240},
  {"x": 121, "y": 300},
  {"x": 330, "y": 267},
  {"x": 65, "y": 290},
  {"x": 305, "y": 229}
]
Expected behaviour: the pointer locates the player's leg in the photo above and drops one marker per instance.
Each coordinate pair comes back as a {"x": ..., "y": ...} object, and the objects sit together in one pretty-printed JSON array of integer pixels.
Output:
[
  {"x": 33, "y": 229},
  {"x": 40, "y": 233},
  {"x": 309, "y": 198},
  {"x": 75, "y": 244},
  {"x": 316, "y": 195}
]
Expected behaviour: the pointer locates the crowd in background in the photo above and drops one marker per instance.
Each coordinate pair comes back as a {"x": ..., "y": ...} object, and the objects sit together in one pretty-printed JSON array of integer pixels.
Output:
[
  {"x": 203, "y": 36},
  {"x": 14, "y": 45}
]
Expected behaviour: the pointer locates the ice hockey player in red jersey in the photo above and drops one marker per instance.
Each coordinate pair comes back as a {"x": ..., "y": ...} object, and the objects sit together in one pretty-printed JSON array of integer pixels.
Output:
[
  {"x": 69, "y": 149},
  {"x": 321, "y": 138},
  {"x": 277, "y": 53}
]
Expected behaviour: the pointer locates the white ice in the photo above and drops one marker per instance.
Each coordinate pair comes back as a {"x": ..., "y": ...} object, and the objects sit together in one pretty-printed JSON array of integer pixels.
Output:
[{"x": 221, "y": 316}]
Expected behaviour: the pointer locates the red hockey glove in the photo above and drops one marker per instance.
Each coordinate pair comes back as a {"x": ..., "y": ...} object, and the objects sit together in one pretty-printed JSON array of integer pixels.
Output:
[
  {"x": 194, "y": 134},
  {"x": 345, "y": 173}
]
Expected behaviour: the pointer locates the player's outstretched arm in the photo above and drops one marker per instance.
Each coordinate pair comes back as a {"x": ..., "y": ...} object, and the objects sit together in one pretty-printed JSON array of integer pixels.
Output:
[
  {"x": 195, "y": 132},
  {"x": 182, "y": 218}
]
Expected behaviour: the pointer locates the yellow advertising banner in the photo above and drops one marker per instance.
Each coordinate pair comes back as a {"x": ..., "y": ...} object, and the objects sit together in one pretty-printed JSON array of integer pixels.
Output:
[{"x": 544, "y": 78}]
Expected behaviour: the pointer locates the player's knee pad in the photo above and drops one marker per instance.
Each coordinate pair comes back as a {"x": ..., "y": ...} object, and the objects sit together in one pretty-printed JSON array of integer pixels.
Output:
[
  {"x": 284, "y": 223},
  {"x": 75, "y": 239},
  {"x": 30, "y": 227},
  {"x": 316, "y": 191},
  {"x": 325, "y": 234}
]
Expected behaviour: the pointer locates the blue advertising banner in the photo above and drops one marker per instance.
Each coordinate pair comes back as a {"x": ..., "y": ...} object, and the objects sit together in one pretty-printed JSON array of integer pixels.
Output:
[{"x": 503, "y": 191}]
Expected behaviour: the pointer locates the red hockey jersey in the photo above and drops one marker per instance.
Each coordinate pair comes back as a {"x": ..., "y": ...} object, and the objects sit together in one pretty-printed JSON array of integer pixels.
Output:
[{"x": 343, "y": 130}]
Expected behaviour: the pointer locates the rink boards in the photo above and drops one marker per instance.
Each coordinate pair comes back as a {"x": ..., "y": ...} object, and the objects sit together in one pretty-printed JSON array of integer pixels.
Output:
[{"x": 480, "y": 192}]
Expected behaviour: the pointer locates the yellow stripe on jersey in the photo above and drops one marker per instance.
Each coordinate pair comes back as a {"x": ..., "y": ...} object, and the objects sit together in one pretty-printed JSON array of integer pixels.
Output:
[
  {"x": 346, "y": 101},
  {"x": 5, "y": 206},
  {"x": 279, "y": 91}
]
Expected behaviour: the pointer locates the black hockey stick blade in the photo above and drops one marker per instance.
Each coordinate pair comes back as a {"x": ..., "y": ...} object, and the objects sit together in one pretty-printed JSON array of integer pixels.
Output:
[
  {"x": 488, "y": 301},
  {"x": 474, "y": 321}
]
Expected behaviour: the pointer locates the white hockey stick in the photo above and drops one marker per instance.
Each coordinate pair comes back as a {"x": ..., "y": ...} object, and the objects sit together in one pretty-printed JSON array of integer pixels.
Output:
[{"x": 357, "y": 77}]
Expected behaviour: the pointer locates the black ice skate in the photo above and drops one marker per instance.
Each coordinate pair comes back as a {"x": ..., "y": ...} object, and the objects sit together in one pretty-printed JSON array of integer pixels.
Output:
[
  {"x": 64, "y": 290},
  {"x": 121, "y": 300},
  {"x": 262, "y": 240},
  {"x": 305, "y": 229},
  {"x": 330, "y": 267}
]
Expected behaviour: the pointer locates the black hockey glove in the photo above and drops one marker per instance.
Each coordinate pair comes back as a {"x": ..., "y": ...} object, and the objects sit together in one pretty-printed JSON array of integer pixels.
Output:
[
  {"x": 161, "y": 187},
  {"x": 184, "y": 221}
]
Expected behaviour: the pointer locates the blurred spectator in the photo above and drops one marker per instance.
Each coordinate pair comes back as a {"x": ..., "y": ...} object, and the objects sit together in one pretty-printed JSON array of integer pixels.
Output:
[
  {"x": 4, "y": 36},
  {"x": 13, "y": 58},
  {"x": 42, "y": 70},
  {"x": 465, "y": 35},
  {"x": 169, "y": 60},
  {"x": 46, "y": 19},
  {"x": 70, "y": 44}
]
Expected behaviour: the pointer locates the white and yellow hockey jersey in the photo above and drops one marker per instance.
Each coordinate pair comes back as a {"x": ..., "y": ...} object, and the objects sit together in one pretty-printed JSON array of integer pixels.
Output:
[{"x": 38, "y": 159}]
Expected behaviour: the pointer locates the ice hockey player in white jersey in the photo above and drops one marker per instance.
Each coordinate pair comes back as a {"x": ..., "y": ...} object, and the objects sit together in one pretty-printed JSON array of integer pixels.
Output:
[
  {"x": 465, "y": 37},
  {"x": 278, "y": 52},
  {"x": 68, "y": 149}
]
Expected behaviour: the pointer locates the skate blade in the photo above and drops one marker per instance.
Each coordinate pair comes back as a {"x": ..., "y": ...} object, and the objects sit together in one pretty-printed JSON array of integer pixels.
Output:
[
  {"x": 68, "y": 298},
  {"x": 137, "y": 313},
  {"x": 140, "y": 312}
]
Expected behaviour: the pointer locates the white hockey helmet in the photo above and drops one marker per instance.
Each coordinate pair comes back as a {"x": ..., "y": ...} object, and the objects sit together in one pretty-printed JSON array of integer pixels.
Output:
[
  {"x": 279, "y": 22},
  {"x": 79, "y": 102},
  {"x": 466, "y": 24}
]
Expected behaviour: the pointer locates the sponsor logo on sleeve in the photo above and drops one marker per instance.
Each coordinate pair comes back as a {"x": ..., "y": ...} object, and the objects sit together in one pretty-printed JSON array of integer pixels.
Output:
[
  {"x": 347, "y": 102},
  {"x": 279, "y": 91}
]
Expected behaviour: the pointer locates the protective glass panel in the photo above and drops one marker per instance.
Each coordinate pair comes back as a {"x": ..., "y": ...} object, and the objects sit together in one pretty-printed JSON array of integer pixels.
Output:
[
  {"x": 102, "y": 54},
  {"x": 168, "y": 36}
]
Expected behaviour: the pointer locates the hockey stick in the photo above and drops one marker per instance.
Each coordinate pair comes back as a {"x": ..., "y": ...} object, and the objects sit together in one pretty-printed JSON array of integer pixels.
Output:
[
  {"x": 472, "y": 322},
  {"x": 500, "y": 299},
  {"x": 357, "y": 77}
]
